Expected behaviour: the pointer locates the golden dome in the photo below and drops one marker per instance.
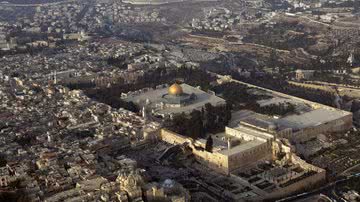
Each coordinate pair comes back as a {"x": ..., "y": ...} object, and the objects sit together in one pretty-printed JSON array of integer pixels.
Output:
[{"x": 175, "y": 89}]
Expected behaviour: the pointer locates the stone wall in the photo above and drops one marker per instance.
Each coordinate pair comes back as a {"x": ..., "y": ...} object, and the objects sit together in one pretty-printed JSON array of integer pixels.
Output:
[
  {"x": 215, "y": 160},
  {"x": 173, "y": 138},
  {"x": 225, "y": 164},
  {"x": 297, "y": 160},
  {"x": 218, "y": 161},
  {"x": 242, "y": 135},
  {"x": 250, "y": 157},
  {"x": 304, "y": 184}
]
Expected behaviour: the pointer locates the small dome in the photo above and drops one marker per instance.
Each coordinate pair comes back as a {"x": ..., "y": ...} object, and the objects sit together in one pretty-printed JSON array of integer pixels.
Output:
[
  {"x": 168, "y": 183},
  {"x": 272, "y": 127},
  {"x": 175, "y": 89}
]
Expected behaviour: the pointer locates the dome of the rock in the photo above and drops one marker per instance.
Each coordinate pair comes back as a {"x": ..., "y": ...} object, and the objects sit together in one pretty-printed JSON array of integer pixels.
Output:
[{"x": 175, "y": 89}]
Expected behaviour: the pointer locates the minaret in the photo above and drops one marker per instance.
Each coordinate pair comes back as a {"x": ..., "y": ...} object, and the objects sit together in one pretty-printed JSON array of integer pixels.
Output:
[
  {"x": 143, "y": 111},
  {"x": 229, "y": 143},
  {"x": 48, "y": 137},
  {"x": 55, "y": 79},
  {"x": 351, "y": 59}
]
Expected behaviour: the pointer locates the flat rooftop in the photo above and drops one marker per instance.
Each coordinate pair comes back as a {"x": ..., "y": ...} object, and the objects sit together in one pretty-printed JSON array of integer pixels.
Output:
[
  {"x": 296, "y": 121},
  {"x": 219, "y": 140},
  {"x": 238, "y": 116},
  {"x": 312, "y": 118},
  {"x": 221, "y": 145},
  {"x": 241, "y": 147},
  {"x": 254, "y": 133}
]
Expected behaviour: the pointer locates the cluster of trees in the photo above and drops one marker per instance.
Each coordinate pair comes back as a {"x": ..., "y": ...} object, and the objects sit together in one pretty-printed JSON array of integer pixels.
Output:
[
  {"x": 332, "y": 63},
  {"x": 354, "y": 185},
  {"x": 236, "y": 94},
  {"x": 3, "y": 160},
  {"x": 152, "y": 78},
  {"x": 81, "y": 85},
  {"x": 111, "y": 95},
  {"x": 119, "y": 62},
  {"x": 356, "y": 6},
  {"x": 333, "y": 78},
  {"x": 211, "y": 119},
  {"x": 281, "y": 85},
  {"x": 278, "y": 4},
  {"x": 28, "y": 50},
  {"x": 194, "y": 77},
  {"x": 17, "y": 196},
  {"x": 191, "y": 125},
  {"x": 355, "y": 106},
  {"x": 280, "y": 37},
  {"x": 238, "y": 97},
  {"x": 209, "y": 144},
  {"x": 78, "y": 134},
  {"x": 134, "y": 34},
  {"x": 26, "y": 140},
  {"x": 112, "y": 99},
  {"x": 344, "y": 4},
  {"x": 276, "y": 109},
  {"x": 326, "y": 76}
]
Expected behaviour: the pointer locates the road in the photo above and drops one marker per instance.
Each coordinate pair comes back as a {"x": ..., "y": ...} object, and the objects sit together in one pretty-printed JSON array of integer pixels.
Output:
[
  {"x": 329, "y": 190},
  {"x": 350, "y": 91}
]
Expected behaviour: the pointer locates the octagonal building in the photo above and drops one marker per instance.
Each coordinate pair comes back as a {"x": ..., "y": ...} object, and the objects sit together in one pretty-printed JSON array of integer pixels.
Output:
[{"x": 176, "y": 99}]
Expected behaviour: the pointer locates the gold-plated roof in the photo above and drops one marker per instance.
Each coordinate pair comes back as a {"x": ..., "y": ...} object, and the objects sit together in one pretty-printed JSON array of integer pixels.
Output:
[{"x": 175, "y": 89}]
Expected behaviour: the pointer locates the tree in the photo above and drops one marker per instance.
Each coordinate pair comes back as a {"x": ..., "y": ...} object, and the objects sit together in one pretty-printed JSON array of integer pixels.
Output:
[
  {"x": 209, "y": 144},
  {"x": 210, "y": 117},
  {"x": 356, "y": 6},
  {"x": 355, "y": 106},
  {"x": 3, "y": 160},
  {"x": 179, "y": 123},
  {"x": 273, "y": 58},
  {"x": 228, "y": 108},
  {"x": 195, "y": 125}
]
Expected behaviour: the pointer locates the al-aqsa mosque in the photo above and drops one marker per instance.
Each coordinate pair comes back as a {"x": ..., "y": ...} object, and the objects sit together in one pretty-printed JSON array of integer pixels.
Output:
[{"x": 167, "y": 100}]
